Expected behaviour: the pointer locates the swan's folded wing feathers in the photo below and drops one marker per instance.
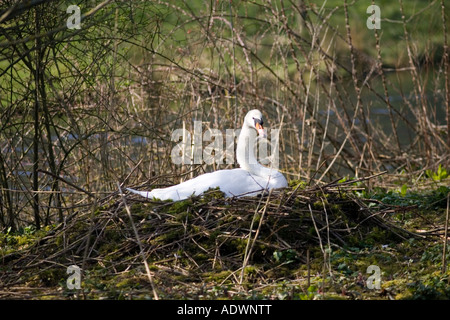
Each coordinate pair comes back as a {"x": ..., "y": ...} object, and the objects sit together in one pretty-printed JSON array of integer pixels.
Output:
[{"x": 232, "y": 182}]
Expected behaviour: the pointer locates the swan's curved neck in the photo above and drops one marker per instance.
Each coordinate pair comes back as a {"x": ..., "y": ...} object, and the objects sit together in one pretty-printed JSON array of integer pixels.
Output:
[{"x": 245, "y": 153}]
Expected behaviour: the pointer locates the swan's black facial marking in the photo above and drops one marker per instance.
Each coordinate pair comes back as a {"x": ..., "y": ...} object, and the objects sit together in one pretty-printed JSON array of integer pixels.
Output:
[
  {"x": 259, "y": 126},
  {"x": 260, "y": 121}
]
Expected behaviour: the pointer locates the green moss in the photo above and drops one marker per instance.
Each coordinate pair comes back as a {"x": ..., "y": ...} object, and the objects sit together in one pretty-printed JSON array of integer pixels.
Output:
[
  {"x": 201, "y": 257},
  {"x": 128, "y": 282},
  {"x": 318, "y": 205},
  {"x": 52, "y": 276},
  {"x": 180, "y": 207},
  {"x": 217, "y": 277},
  {"x": 167, "y": 237},
  {"x": 212, "y": 194},
  {"x": 297, "y": 184}
]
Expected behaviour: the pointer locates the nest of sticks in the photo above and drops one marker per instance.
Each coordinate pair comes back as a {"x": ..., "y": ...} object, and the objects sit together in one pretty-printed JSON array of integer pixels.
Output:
[{"x": 205, "y": 233}]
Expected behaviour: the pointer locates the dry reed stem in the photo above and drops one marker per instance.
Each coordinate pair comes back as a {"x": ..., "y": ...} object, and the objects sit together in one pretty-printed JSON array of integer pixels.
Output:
[
  {"x": 250, "y": 242},
  {"x": 141, "y": 250},
  {"x": 444, "y": 250}
]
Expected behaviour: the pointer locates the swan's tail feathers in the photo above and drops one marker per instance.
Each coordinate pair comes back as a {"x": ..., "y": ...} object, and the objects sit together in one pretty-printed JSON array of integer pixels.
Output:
[{"x": 145, "y": 194}]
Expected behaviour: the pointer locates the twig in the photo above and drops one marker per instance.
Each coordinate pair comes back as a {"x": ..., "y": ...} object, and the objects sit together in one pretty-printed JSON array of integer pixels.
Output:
[
  {"x": 308, "y": 267},
  {"x": 88, "y": 236},
  {"x": 444, "y": 252},
  {"x": 65, "y": 181},
  {"x": 446, "y": 75},
  {"x": 141, "y": 250},
  {"x": 249, "y": 248}
]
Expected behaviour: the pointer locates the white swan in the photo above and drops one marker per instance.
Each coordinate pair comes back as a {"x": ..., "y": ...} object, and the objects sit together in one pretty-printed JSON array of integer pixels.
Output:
[{"x": 249, "y": 180}]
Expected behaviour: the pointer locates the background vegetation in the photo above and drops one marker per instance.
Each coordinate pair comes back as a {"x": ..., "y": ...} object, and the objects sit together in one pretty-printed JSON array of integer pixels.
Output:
[{"x": 83, "y": 110}]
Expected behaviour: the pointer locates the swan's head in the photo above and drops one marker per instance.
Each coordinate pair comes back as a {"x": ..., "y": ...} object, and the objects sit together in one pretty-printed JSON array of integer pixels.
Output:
[{"x": 254, "y": 119}]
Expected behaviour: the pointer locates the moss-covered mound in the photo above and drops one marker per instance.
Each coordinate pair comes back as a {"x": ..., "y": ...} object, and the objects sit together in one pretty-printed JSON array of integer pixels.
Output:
[{"x": 298, "y": 243}]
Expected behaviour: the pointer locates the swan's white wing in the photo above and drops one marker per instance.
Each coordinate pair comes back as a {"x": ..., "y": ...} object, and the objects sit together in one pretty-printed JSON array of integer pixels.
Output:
[
  {"x": 232, "y": 182},
  {"x": 141, "y": 193}
]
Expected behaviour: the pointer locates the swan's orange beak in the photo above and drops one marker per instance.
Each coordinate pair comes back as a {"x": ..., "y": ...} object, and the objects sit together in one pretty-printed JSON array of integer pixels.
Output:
[{"x": 260, "y": 130}]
